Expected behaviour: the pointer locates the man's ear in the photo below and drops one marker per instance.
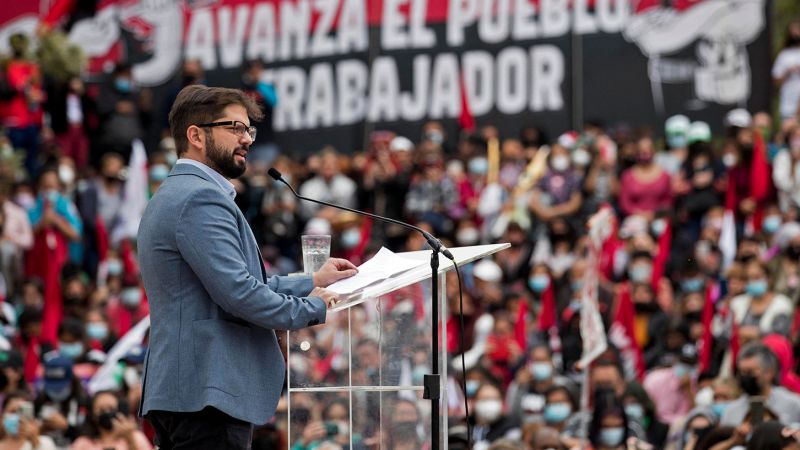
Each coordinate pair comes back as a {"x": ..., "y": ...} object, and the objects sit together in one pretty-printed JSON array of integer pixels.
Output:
[{"x": 196, "y": 137}]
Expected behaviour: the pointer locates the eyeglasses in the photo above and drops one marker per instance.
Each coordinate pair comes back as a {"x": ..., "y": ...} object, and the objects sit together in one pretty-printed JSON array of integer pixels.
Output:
[{"x": 238, "y": 128}]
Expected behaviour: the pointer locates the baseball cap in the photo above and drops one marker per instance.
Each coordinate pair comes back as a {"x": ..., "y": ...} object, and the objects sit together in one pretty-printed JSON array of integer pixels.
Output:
[
  {"x": 57, "y": 376},
  {"x": 699, "y": 132},
  {"x": 738, "y": 117},
  {"x": 401, "y": 144}
]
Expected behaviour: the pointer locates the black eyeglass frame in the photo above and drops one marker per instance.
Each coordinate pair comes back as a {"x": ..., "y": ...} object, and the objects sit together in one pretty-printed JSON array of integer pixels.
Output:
[{"x": 249, "y": 129}]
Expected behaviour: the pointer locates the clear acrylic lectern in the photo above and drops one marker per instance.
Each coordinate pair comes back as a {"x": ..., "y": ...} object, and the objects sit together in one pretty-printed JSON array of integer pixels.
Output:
[{"x": 357, "y": 381}]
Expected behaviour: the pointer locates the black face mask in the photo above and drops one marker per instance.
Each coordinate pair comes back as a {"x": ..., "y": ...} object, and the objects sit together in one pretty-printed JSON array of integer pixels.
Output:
[
  {"x": 648, "y": 307},
  {"x": 106, "y": 420},
  {"x": 793, "y": 252},
  {"x": 745, "y": 258},
  {"x": 749, "y": 384},
  {"x": 696, "y": 316}
]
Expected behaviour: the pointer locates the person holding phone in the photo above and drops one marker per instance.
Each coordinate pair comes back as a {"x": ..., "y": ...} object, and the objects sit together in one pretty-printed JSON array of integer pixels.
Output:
[
  {"x": 109, "y": 428},
  {"x": 19, "y": 428}
]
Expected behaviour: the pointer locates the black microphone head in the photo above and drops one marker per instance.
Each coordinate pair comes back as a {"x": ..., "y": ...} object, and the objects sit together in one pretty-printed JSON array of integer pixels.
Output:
[{"x": 274, "y": 174}]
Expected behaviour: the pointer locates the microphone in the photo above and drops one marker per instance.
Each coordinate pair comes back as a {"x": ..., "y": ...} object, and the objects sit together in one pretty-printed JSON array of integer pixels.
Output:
[{"x": 435, "y": 243}]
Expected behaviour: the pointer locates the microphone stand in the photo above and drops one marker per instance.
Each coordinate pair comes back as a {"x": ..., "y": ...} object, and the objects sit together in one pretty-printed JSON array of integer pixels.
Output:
[{"x": 432, "y": 381}]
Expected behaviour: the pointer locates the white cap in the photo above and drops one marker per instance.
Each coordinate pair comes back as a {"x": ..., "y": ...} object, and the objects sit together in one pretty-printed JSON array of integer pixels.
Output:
[
  {"x": 401, "y": 144},
  {"x": 677, "y": 124},
  {"x": 699, "y": 132},
  {"x": 739, "y": 117},
  {"x": 487, "y": 270}
]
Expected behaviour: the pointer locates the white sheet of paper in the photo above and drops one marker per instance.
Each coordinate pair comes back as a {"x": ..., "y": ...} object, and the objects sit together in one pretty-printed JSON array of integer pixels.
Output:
[{"x": 383, "y": 265}]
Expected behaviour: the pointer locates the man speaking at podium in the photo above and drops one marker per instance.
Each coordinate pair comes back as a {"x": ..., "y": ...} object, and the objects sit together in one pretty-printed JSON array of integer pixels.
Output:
[{"x": 214, "y": 367}]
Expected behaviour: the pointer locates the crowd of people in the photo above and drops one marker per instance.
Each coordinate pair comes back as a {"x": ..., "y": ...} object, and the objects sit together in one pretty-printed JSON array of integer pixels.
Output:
[{"x": 699, "y": 278}]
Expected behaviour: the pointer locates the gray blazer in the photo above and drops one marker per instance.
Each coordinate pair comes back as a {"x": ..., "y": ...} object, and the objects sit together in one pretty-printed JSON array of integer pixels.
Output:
[{"x": 212, "y": 308}]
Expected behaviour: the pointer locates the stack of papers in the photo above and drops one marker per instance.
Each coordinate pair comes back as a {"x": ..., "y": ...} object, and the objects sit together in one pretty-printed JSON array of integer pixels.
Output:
[{"x": 385, "y": 264}]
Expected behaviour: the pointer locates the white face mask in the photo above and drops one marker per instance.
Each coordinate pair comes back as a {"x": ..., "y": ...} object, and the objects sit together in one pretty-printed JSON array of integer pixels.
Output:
[
  {"x": 467, "y": 236},
  {"x": 581, "y": 157},
  {"x": 488, "y": 410},
  {"x": 560, "y": 163},
  {"x": 729, "y": 159},
  {"x": 66, "y": 174}
]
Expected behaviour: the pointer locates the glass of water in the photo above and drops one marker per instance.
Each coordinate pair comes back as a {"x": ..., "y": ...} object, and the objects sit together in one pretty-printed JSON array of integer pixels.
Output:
[{"x": 316, "y": 250}]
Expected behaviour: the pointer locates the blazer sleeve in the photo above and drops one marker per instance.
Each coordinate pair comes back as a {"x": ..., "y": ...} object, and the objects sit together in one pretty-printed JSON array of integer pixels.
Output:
[{"x": 207, "y": 237}]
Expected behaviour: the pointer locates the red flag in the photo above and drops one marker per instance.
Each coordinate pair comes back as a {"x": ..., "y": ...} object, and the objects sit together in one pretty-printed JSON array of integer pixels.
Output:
[
  {"x": 708, "y": 337},
  {"x": 623, "y": 336},
  {"x": 131, "y": 268},
  {"x": 547, "y": 315},
  {"x": 521, "y": 325},
  {"x": 609, "y": 249},
  {"x": 102, "y": 239},
  {"x": 57, "y": 11},
  {"x": 662, "y": 256},
  {"x": 465, "y": 120},
  {"x": 45, "y": 260},
  {"x": 760, "y": 179}
]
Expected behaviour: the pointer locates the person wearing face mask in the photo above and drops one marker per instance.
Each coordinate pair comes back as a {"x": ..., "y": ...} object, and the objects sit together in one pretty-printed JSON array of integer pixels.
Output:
[
  {"x": 647, "y": 187},
  {"x": 759, "y": 309},
  {"x": 526, "y": 395},
  {"x": 757, "y": 372},
  {"x": 558, "y": 192},
  {"x": 608, "y": 429},
  {"x": 560, "y": 405},
  {"x": 122, "y": 108},
  {"x": 786, "y": 171},
  {"x": 786, "y": 266},
  {"x": 640, "y": 408},
  {"x": 488, "y": 421},
  {"x": 101, "y": 201},
  {"x": 71, "y": 339},
  {"x": 61, "y": 405},
  {"x": 20, "y": 430},
  {"x": 98, "y": 332},
  {"x": 127, "y": 309},
  {"x": 786, "y": 71},
  {"x": 107, "y": 427},
  {"x": 672, "y": 387}
]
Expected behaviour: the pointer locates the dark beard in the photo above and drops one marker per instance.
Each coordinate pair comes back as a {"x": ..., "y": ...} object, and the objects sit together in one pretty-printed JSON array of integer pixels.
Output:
[{"x": 222, "y": 161}]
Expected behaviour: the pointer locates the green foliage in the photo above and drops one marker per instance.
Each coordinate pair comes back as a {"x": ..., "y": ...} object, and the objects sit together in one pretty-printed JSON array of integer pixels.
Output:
[{"x": 59, "y": 58}]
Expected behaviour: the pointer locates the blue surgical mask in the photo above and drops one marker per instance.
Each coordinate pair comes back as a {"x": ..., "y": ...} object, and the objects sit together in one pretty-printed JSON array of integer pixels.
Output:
[
  {"x": 478, "y": 166},
  {"x": 51, "y": 196},
  {"x": 612, "y": 437},
  {"x": 719, "y": 408},
  {"x": 97, "y": 330},
  {"x": 640, "y": 273},
  {"x": 772, "y": 223},
  {"x": 122, "y": 84},
  {"x": 692, "y": 285},
  {"x": 634, "y": 411},
  {"x": 114, "y": 267},
  {"x": 538, "y": 283},
  {"x": 541, "y": 371},
  {"x": 575, "y": 305},
  {"x": 658, "y": 227},
  {"x": 418, "y": 374},
  {"x": 472, "y": 387},
  {"x": 351, "y": 237},
  {"x": 682, "y": 370},
  {"x": 557, "y": 412},
  {"x": 131, "y": 297},
  {"x": 11, "y": 423},
  {"x": 70, "y": 350},
  {"x": 159, "y": 172},
  {"x": 757, "y": 288},
  {"x": 576, "y": 285}
]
